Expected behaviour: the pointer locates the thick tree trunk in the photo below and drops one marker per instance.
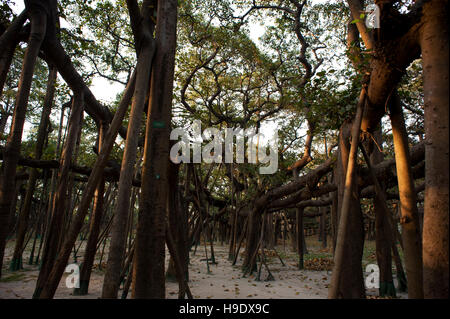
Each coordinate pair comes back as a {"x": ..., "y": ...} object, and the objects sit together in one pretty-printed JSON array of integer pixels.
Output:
[
  {"x": 178, "y": 230},
  {"x": 148, "y": 274},
  {"x": 178, "y": 221},
  {"x": 393, "y": 54},
  {"x": 434, "y": 43},
  {"x": 409, "y": 215},
  {"x": 12, "y": 148},
  {"x": 118, "y": 232},
  {"x": 16, "y": 262},
  {"x": 347, "y": 277},
  {"x": 251, "y": 246}
]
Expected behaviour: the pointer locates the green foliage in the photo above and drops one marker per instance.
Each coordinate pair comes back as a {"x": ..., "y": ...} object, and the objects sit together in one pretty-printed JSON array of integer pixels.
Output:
[{"x": 224, "y": 77}]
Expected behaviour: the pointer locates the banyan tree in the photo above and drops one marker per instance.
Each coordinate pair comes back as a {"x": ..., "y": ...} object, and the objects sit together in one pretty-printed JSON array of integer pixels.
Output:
[{"x": 361, "y": 150}]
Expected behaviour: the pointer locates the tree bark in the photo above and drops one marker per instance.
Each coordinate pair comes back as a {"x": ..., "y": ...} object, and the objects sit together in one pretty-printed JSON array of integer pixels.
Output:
[
  {"x": 251, "y": 247},
  {"x": 11, "y": 32},
  {"x": 383, "y": 230},
  {"x": 334, "y": 214},
  {"x": 180, "y": 266},
  {"x": 409, "y": 215},
  {"x": 300, "y": 237},
  {"x": 16, "y": 262},
  {"x": 54, "y": 231},
  {"x": 401, "y": 277},
  {"x": 356, "y": 8},
  {"x": 178, "y": 226},
  {"x": 347, "y": 278},
  {"x": 434, "y": 43},
  {"x": 118, "y": 233},
  {"x": 8, "y": 42},
  {"x": 148, "y": 274},
  {"x": 94, "y": 230},
  {"x": 6, "y": 57},
  {"x": 382, "y": 226},
  {"x": 12, "y": 148},
  {"x": 58, "y": 268}
]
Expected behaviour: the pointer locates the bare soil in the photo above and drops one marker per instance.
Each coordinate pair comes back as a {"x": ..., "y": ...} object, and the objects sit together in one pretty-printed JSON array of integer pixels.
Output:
[{"x": 222, "y": 281}]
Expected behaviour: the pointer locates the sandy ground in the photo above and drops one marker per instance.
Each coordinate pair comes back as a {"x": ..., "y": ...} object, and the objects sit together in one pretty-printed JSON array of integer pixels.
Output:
[
  {"x": 223, "y": 281},
  {"x": 227, "y": 282}
]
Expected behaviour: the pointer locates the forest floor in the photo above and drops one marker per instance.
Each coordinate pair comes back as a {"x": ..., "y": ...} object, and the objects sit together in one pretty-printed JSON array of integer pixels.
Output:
[{"x": 222, "y": 281}]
